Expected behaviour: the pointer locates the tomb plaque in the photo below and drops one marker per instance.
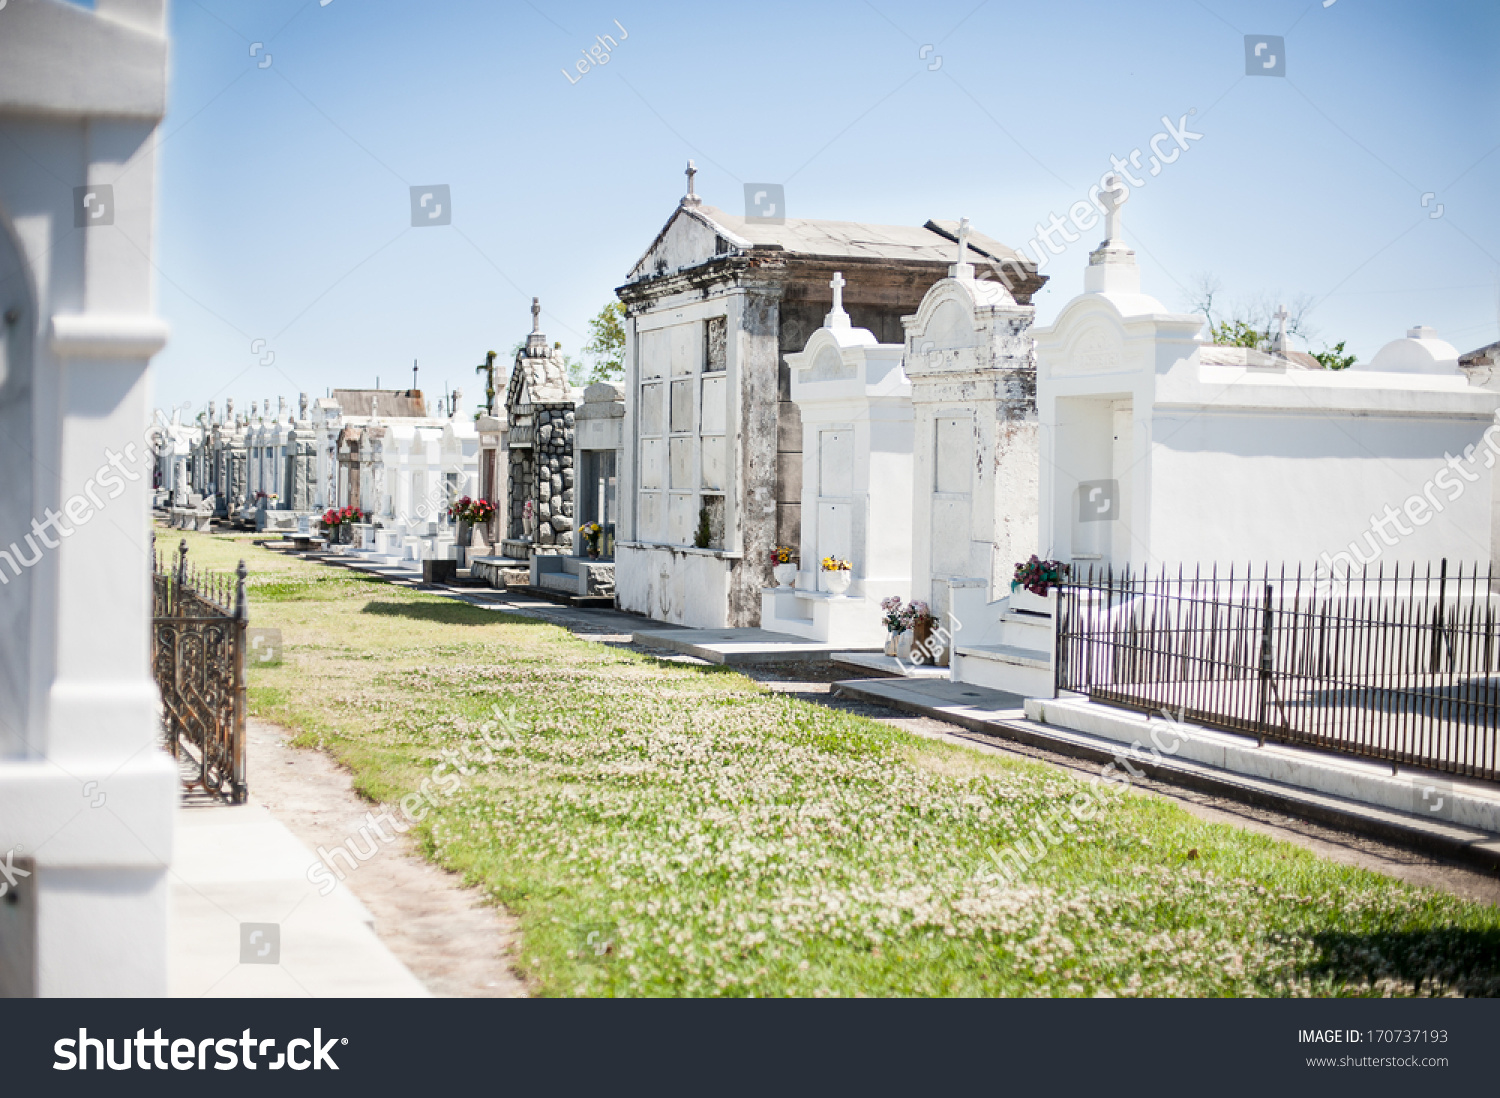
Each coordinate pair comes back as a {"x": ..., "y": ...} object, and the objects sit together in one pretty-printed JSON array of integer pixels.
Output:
[
  {"x": 681, "y": 455},
  {"x": 655, "y": 351},
  {"x": 955, "y": 454},
  {"x": 715, "y": 406},
  {"x": 687, "y": 348},
  {"x": 836, "y": 463},
  {"x": 651, "y": 460},
  {"x": 714, "y": 451},
  {"x": 682, "y": 517},
  {"x": 682, "y": 406},
  {"x": 651, "y": 409}
]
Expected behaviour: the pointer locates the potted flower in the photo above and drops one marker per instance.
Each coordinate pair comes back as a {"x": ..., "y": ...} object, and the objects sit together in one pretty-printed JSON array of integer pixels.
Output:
[
  {"x": 1033, "y": 583},
  {"x": 922, "y": 622},
  {"x": 339, "y": 522},
  {"x": 836, "y": 574},
  {"x": 896, "y": 619},
  {"x": 592, "y": 532},
  {"x": 469, "y": 513},
  {"x": 784, "y": 565}
]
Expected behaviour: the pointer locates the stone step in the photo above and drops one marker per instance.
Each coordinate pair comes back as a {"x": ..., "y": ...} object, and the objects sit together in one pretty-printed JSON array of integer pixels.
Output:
[
  {"x": 1008, "y": 653},
  {"x": 1006, "y": 667}
]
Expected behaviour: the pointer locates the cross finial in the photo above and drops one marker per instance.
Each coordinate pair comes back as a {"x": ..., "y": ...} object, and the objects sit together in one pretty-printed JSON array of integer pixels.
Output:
[
  {"x": 1281, "y": 318},
  {"x": 536, "y": 314},
  {"x": 691, "y": 198},
  {"x": 962, "y": 268},
  {"x": 837, "y": 317},
  {"x": 1112, "y": 198}
]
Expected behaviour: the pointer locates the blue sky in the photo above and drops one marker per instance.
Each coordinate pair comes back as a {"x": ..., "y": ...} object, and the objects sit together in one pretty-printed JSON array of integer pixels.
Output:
[{"x": 285, "y": 186}]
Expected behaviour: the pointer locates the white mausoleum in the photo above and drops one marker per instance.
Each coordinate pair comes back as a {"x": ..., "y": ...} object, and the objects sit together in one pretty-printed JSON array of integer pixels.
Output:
[
  {"x": 1157, "y": 449},
  {"x": 856, "y": 410}
]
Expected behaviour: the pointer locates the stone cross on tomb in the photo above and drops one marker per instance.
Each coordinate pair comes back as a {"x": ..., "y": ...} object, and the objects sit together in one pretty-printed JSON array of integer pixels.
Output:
[
  {"x": 1112, "y": 199},
  {"x": 536, "y": 315},
  {"x": 837, "y": 317},
  {"x": 1281, "y": 315},
  {"x": 691, "y": 198},
  {"x": 962, "y": 268}
]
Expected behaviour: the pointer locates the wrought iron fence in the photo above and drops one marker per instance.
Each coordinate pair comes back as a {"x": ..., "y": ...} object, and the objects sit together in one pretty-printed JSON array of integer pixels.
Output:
[
  {"x": 199, "y": 623},
  {"x": 1400, "y": 667}
]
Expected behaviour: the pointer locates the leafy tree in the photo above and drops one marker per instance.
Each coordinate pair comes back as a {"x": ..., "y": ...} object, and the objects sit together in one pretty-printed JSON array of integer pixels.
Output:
[
  {"x": 1333, "y": 358},
  {"x": 1237, "y": 333},
  {"x": 606, "y": 344},
  {"x": 576, "y": 370}
]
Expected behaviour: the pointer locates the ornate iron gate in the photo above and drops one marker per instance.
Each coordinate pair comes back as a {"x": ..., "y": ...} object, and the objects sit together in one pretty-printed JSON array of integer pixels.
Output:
[{"x": 198, "y": 658}]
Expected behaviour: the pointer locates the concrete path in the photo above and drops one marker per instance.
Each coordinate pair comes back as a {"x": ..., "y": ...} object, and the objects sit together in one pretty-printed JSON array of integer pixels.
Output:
[
  {"x": 733, "y": 646},
  {"x": 245, "y": 921},
  {"x": 878, "y": 663}
]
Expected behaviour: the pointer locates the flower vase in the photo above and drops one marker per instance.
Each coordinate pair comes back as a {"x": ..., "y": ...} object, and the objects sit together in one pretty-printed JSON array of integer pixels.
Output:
[
  {"x": 786, "y": 574},
  {"x": 892, "y": 644},
  {"x": 465, "y": 533},
  {"x": 594, "y": 549},
  {"x": 837, "y": 582}
]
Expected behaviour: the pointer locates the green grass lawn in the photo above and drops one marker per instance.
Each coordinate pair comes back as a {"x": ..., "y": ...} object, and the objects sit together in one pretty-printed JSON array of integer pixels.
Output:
[{"x": 662, "y": 829}]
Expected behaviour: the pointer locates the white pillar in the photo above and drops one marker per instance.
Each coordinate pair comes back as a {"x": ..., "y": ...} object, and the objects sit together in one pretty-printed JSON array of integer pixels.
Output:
[{"x": 85, "y": 790}]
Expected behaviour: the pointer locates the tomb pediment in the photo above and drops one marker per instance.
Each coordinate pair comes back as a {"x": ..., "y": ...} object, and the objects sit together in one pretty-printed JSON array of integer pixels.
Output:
[
  {"x": 1096, "y": 347},
  {"x": 690, "y": 237},
  {"x": 958, "y": 324},
  {"x": 828, "y": 365}
]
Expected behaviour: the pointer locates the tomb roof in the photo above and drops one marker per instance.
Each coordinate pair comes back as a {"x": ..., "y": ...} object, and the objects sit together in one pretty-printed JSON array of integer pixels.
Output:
[
  {"x": 394, "y": 403},
  {"x": 1213, "y": 354},
  {"x": 930, "y": 243},
  {"x": 1488, "y": 355}
]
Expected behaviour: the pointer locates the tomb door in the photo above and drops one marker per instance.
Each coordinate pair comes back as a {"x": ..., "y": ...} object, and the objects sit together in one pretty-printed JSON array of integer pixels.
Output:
[
  {"x": 952, "y": 494},
  {"x": 1102, "y": 459}
]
